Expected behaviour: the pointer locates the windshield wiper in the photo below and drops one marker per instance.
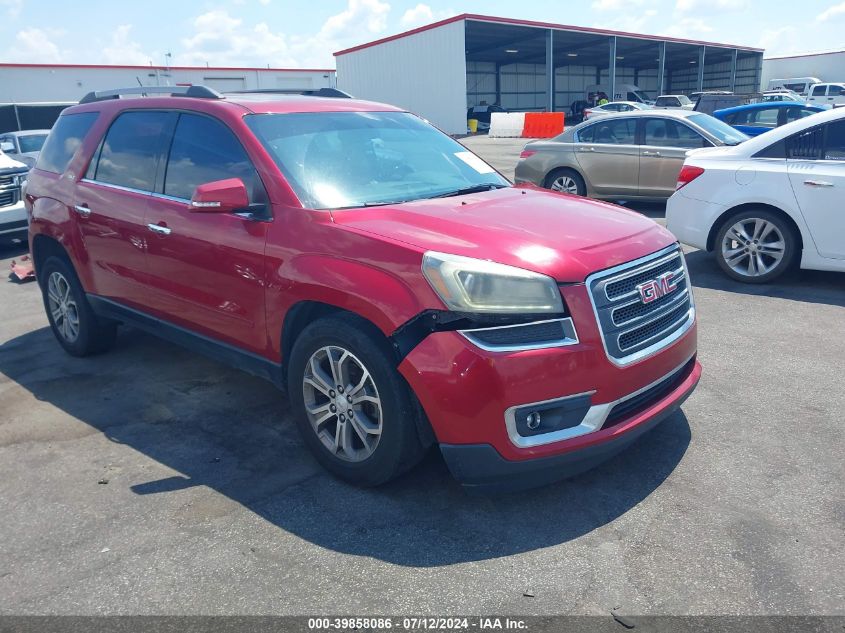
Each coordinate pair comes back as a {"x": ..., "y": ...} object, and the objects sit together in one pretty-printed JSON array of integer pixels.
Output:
[{"x": 487, "y": 186}]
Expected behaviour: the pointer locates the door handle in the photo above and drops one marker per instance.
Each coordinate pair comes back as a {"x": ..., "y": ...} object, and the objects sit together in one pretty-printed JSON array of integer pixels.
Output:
[
  {"x": 818, "y": 183},
  {"x": 82, "y": 209},
  {"x": 161, "y": 230},
  {"x": 647, "y": 153},
  {"x": 587, "y": 149}
]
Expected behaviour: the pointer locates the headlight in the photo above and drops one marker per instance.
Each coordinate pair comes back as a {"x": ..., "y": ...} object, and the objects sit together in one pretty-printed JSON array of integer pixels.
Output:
[{"x": 475, "y": 285}]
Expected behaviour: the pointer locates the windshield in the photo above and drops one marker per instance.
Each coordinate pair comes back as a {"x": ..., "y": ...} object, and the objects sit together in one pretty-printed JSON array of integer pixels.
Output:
[
  {"x": 721, "y": 130},
  {"x": 642, "y": 95},
  {"x": 353, "y": 159},
  {"x": 684, "y": 99},
  {"x": 31, "y": 142}
]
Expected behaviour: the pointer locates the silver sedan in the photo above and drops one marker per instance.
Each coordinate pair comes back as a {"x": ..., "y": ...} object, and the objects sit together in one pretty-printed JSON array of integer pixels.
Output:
[{"x": 625, "y": 156}]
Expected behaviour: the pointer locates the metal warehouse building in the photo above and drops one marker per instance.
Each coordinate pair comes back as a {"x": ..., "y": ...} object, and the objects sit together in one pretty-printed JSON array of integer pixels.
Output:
[
  {"x": 440, "y": 69},
  {"x": 26, "y": 83},
  {"x": 827, "y": 66}
]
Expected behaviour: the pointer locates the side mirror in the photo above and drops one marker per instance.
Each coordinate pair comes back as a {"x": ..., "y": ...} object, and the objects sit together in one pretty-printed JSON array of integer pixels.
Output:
[
  {"x": 220, "y": 196},
  {"x": 8, "y": 147}
]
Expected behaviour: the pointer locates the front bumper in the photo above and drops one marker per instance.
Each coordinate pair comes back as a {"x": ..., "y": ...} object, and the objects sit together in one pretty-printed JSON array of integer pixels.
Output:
[
  {"x": 467, "y": 393},
  {"x": 480, "y": 468},
  {"x": 13, "y": 219}
]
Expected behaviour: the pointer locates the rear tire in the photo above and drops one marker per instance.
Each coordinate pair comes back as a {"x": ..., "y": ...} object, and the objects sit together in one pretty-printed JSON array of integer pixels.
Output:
[
  {"x": 566, "y": 180},
  {"x": 756, "y": 246},
  {"x": 354, "y": 410},
  {"x": 79, "y": 331}
]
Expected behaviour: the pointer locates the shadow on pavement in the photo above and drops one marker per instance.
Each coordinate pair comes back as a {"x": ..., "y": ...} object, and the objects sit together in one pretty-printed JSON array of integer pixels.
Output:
[
  {"x": 231, "y": 432},
  {"x": 810, "y": 286}
]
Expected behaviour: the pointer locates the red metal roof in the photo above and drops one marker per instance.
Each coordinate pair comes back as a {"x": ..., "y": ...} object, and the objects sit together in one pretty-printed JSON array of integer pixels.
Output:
[
  {"x": 816, "y": 54},
  {"x": 118, "y": 66},
  {"x": 547, "y": 25}
]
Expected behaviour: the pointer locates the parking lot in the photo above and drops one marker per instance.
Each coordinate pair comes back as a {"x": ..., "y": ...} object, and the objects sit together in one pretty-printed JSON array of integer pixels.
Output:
[{"x": 151, "y": 480}]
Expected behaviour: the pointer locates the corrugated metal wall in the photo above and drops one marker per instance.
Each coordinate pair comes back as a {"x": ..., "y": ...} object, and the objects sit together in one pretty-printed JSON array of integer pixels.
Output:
[
  {"x": 24, "y": 84},
  {"x": 717, "y": 77},
  {"x": 424, "y": 73}
]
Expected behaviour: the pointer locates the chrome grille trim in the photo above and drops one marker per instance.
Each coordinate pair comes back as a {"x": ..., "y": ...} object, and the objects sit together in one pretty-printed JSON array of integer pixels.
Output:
[
  {"x": 605, "y": 304},
  {"x": 568, "y": 336}
]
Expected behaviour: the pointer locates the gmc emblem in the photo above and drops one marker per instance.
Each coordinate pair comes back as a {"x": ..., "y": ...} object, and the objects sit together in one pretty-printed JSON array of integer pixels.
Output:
[{"x": 654, "y": 289}]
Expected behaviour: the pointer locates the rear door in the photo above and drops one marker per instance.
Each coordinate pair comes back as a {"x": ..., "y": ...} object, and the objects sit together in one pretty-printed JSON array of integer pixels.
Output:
[
  {"x": 817, "y": 172},
  {"x": 111, "y": 203},
  {"x": 609, "y": 156},
  {"x": 207, "y": 269},
  {"x": 665, "y": 143},
  {"x": 818, "y": 94}
]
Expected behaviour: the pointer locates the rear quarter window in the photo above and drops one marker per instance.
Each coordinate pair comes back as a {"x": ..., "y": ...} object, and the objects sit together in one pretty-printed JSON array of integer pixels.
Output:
[{"x": 65, "y": 138}]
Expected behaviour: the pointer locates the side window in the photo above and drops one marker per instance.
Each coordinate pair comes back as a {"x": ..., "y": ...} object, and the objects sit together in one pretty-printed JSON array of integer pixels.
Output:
[
  {"x": 63, "y": 141},
  {"x": 818, "y": 91},
  {"x": 835, "y": 90},
  {"x": 834, "y": 144},
  {"x": 805, "y": 145},
  {"x": 765, "y": 117},
  {"x": 205, "y": 150},
  {"x": 130, "y": 151},
  {"x": 793, "y": 114},
  {"x": 616, "y": 132},
  {"x": 738, "y": 118},
  {"x": 667, "y": 133},
  {"x": 587, "y": 134}
]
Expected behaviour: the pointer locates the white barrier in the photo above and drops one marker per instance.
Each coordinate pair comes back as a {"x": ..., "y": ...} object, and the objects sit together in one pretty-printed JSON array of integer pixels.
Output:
[{"x": 506, "y": 124}]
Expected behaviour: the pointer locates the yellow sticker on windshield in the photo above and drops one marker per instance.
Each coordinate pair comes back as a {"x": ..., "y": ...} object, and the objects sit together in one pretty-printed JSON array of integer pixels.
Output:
[{"x": 475, "y": 162}]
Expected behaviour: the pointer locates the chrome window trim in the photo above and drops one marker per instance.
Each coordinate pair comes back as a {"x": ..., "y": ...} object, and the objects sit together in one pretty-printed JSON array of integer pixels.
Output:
[
  {"x": 570, "y": 337},
  {"x": 659, "y": 256},
  {"x": 116, "y": 187},
  {"x": 593, "y": 421}
]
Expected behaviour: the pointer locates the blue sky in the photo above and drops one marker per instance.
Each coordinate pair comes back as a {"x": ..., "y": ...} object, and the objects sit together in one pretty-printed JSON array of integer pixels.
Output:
[{"x": 293, "y": 33}]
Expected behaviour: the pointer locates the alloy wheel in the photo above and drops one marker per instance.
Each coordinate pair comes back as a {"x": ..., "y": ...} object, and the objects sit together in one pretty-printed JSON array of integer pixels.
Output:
[
  {"x": 63, "y": 307},
  {"x": 753, "y": 247},
  {"x": 565, "y": 184},
  {"x": 342, "y": 403}
]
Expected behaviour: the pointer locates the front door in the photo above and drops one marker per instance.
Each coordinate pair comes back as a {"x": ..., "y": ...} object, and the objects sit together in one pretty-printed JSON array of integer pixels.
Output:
[
  {"x": 819, "y": 187},
  {"x": 111, "y": 203},
  {"x": 662, "y": 154},
  {"x": 609, "y": 156},
  {"x": 206, "y": 270}
]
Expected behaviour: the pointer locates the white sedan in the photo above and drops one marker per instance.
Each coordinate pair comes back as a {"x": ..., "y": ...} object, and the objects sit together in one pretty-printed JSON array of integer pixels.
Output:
[
  {"x": 769, "y": 203},
  {"x": 614, "y": 107}
]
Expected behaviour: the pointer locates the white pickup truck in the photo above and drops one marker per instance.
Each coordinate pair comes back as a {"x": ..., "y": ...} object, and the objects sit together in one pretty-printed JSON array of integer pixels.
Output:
[
  {"x": 827, "y": 94},
  {"x": 13, "y": 222}
]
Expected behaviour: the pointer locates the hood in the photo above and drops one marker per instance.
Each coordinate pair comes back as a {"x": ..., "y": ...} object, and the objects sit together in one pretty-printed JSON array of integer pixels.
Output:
[
  {"x": 563, "y": 236},
  {"x": 8, "y": 164}
]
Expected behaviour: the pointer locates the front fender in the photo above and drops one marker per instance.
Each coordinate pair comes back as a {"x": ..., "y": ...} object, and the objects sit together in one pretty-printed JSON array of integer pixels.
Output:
[{"x": 386, "y": 299}]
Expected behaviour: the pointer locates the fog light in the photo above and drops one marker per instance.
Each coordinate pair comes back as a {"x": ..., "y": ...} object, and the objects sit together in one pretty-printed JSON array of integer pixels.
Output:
[{"x": 554, "y": 415}]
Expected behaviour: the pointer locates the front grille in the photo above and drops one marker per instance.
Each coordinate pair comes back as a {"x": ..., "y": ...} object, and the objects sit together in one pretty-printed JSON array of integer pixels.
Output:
[
  {"x": 531, "y": 335},
  {"x": 10, "y": 196},
  {"x": 641, "y": 401},
  {"x": 6, "y": 180},
  {"x": 631, "y": 328}
]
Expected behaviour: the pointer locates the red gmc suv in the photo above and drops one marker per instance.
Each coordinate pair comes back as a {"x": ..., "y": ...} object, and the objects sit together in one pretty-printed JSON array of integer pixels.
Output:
[{"x": 401, "y": 290}]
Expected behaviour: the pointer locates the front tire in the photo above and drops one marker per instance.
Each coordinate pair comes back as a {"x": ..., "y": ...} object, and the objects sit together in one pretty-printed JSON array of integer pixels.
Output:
[
  {"x": 756, "y": 246},
  {"x": 79, "y": 331},
  {"x": 354, "y": 410},
  {"x": 566, "y": 181}
]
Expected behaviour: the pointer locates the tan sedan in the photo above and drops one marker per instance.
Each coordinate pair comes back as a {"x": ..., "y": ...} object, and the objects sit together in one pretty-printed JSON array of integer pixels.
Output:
[{"x": 625, "y": 156}]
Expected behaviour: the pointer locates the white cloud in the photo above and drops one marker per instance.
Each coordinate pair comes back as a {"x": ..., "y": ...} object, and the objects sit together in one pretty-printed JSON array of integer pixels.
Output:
[
  {"x": 711, "y": 6},
  {"x": 615, "y": 5},
  {"x": 36, "y": 46},
  {"x": 264, "y": 2},
  {"x": 781, "y": 41},
  {"x": 689, "y": 28},
  {"x": 423, "y": 14},
  {"x": 13, "y": 7},
  {"x": 635, "y": 23},
  {"x": 123, "y": 50},
  {"x": 831, "y": 12},
  {"x": 223, "y": 40}
]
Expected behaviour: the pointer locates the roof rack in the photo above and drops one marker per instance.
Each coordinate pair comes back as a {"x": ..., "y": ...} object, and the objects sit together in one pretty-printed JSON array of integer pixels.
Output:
[
  {"x": 316, "y": 92},
  {"x": 197, "y": 92}
]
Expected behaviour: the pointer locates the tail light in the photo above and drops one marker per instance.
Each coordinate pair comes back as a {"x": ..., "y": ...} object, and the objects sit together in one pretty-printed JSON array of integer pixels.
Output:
[
  {"x": 687, "y": 175},
  {"x": 527, "y": 152},
  {"x": 587, "y": 113}
]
